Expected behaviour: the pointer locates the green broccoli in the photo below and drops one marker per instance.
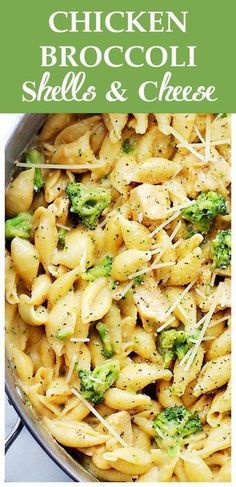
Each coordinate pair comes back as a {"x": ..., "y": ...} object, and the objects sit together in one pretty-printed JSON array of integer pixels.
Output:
[
  {"x": 61, "y": 238},
  {"x": 105, "y": 339},
  {"x": 138, "y": 280},
  {"x": 221, "y": 249},
  {"x": 203, "y": 211},
  {"x": 19, "y": 226},
  {"x": 127, "y": 147},
  {"x": 103, "y": 269},
  {"x": 34, "y": 157},
  {"x": 94, "y": 384},
  {"x": 88, "y": 202},
  {"x": 175, "y": 343},
  {"x": 174, "y": 424}
]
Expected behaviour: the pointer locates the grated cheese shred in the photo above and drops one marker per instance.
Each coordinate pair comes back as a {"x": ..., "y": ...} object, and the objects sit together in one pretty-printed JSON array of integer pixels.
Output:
[
  {"x": 167, "y": 323},
  {"x": 71, "y": 368},
  {"x": 201, "y": 335},
  {"x": 59, "y": 225},
  {"x": 120, "y": 294},
  {"x": 185, "y": 143},
  {"x": 173, "y": 217},
  {"x": 220, "y": 320},
  {"x": 175, "y": 231},
  {"x": 100, "y": 418},
  {"x": 199, "y": 134},
  {"x": 180, "y": 297},
  {"x": 208, "y": 138}
]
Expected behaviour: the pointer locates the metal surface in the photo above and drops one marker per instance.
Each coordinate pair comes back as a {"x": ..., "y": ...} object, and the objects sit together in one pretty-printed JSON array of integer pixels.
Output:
[
  {"x": 25, "y": 129},
  {"x": 13, "y": 434}
]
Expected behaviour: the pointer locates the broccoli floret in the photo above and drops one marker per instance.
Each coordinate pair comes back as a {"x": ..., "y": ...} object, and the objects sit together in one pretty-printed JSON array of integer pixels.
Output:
[
  {"x": 127, "y": 147},
  {"x": 103, "y": 269},
  {"x": 34, "y": 157},
  {"x": 19, "y": 226},
  {"x": 203, "y": 211},
  {"x": 88, "y": 202},
  {"x": 94, "y": 384},
  {"x": 174, "y": 424},
  {"x": 221, "y": 249},
  {"x": 105, "y": 339},
  {"x": 175, "y": 343},
  {"x": 61, "y": 238}
]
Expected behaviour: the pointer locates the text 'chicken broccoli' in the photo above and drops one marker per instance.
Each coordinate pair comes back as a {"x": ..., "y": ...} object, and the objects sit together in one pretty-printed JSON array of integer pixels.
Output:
[
  {"x": 105, "y": 339},
  {"x": 173, "y": 425},
  {"x": 175, "y": 343},
  {"x": 203, "y": 211},
  {"x": 221, "y": 249},
  {"x": 34, "y": 157},
  {"x": 94, "y": 384},
  {"x": 102, "y": 269},
  {"x": 88, "y": 202},
  {"x": 19, "y": 226}
]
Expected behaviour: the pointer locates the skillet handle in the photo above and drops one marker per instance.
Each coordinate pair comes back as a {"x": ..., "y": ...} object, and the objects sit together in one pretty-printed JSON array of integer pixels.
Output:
[{"x": 13, "y": 434}]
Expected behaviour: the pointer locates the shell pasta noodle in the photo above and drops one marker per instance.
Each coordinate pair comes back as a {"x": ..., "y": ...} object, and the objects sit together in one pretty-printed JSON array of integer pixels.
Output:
[{"x": 118, "y": 265}]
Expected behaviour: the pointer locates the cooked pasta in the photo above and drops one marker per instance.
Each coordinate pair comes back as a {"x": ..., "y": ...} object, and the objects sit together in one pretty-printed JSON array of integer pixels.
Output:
[{"x": 118, "y": 291}]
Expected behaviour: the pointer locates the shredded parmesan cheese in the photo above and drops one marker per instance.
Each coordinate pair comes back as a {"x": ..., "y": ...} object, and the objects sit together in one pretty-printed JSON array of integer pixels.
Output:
[
  {"x": 205, "y": 339},
  {"x": 185, "y": 358},
  {"x": 181, "y": 296},
  {"x": 208, "y": 138},
  {"x": 167, "y": 323},
  {"x": 201, "y": 335},
  {"x": 220, "y": 320},
  {"x": 182, "y": 311},
  {"x": 218, "y": 116},
  {"x": 200, "y": 293},
  {"x": 155, "y": 251},
  {"x": 212, "y": 144},
  {"x": 175, "y": 231},
  {"x": 173, "y": 217},
  {"x": 120, "y": 294},
  {"x": 104, "y": 222},
  {"x": 221, "y": 142},
  {"x": 59, "y": 225},
  {"x": 71, "y": 368},
  {"x": 176, "y": 244},
  {"x": 199, "y": 134},
  {"x": 149, "y": 269},
  {"x": 144, "y": 270},
  {"x": 213, "y": 279},
  {"x": 199, "y": 323},
  {"x": 180, "y": 207},
  {"x": 100, "y": 418},
  {"x": 185, "y": 143}
]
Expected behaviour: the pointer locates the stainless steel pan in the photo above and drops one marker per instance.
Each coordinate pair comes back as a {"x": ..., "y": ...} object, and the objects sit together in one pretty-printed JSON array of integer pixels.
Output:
[{"x": 24, "y": 130}]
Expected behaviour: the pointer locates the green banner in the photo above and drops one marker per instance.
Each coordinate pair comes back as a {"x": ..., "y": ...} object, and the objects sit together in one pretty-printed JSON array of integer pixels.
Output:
[{"x": 118, "y": 56}]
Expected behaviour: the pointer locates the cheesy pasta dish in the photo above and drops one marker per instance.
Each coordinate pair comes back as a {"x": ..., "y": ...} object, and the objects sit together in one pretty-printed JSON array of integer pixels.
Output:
[{"x": 118, "y": 249}]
